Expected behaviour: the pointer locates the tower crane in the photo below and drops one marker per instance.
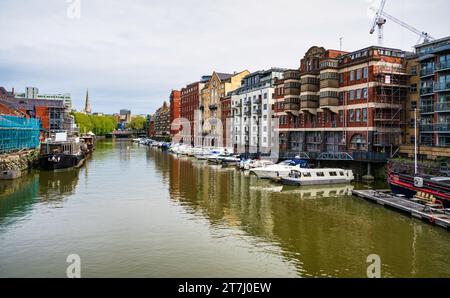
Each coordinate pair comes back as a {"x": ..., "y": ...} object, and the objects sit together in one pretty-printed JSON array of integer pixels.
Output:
[
  {"x": 381, "y": 18},
  {"x": 379, "y": 22}
]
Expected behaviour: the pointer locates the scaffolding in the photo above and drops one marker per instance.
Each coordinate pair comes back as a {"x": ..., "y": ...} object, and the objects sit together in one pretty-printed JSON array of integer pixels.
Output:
[
  {"x": 390, "y": 95},
  {"x": 18, "y": 133}
]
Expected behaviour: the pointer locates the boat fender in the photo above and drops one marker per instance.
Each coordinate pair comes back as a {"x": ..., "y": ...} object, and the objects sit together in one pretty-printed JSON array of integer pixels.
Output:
[{"x": 432, "y": 219}]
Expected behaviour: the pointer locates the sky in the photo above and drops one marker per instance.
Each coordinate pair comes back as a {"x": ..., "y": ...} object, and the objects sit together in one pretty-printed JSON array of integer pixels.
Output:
[{"x": 131, "y": 54}]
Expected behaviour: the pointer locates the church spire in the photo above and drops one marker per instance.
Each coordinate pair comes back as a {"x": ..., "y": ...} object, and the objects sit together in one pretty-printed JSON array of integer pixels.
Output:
[{"x": 87, "y": 107}]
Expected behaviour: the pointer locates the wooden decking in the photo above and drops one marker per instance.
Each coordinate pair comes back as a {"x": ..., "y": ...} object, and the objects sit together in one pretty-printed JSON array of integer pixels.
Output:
[{"x": 431, "y": 215}]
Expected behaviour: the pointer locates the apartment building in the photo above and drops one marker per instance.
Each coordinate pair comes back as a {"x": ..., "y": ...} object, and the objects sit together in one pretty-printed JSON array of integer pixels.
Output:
[
  {"x": 190, "y": 105},
  {"x": 162, "y": 122},
  {"x": 434, "y": 76},
  {"x": 216, "y": 88},
  {"x": 175, "y": 110},
  {"x": 253, "y": 112},
  {"x": 339, "y": 105}
]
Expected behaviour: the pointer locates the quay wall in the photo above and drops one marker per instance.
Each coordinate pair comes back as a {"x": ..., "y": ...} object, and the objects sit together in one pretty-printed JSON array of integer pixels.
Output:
[{"x": 17, "y": 162}]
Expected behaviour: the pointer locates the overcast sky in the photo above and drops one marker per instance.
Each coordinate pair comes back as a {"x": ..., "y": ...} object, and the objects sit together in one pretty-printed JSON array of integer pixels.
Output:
[{"x": 130, "y": 54}]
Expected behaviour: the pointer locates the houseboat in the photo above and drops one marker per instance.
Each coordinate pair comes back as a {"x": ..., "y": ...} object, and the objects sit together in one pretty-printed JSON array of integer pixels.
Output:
[
  {"x": 301, "y": 177},
  {"x": 407, "y": 180},
  {"x": 61, "y": 152}
]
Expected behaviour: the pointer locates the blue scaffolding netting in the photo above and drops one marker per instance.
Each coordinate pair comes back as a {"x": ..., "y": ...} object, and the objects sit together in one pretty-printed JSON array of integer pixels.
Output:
[{"x": 17, "y": 133}]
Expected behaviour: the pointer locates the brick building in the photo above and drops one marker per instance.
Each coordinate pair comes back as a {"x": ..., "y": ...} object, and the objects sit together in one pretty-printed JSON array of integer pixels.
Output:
[
  {"x": 345, "y": 105},
  {"x": 175, "y": 109},
  {"x": 162, "y": 122},
  {"x": 190, "y": 104}
]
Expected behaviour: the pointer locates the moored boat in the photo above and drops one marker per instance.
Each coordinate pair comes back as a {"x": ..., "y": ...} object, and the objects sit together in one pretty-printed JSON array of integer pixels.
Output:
[
  {"x": 280, "y": 169},
  {"x": 301, "y": 177},
  {"x": 61, "y": 153}
]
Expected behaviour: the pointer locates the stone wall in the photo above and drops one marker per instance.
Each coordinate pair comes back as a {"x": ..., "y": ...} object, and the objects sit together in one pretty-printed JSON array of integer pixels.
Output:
[{"x": 19, "y": 161}]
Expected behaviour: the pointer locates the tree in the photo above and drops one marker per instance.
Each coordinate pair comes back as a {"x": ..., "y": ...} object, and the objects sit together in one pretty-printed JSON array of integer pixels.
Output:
[
  {"x": 100, "y": 125},
  {"x": 137, "y": 123}
]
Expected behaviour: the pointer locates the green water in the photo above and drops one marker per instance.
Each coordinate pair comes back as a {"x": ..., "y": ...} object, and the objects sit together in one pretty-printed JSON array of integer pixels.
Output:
[{"x": 137, "y": 212}]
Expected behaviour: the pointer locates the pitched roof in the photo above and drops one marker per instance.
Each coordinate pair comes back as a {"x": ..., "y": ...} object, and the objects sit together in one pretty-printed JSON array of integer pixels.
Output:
[{"x": 224, "y": 76}]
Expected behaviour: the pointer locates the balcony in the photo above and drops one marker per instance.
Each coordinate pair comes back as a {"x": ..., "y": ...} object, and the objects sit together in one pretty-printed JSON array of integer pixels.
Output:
[
  {"x": 424, "y": 109},
  {"x": 314, "y": 140},
  {"x": 292, "y": 75},
  {"x": 426, "y": 91},
  {"x": 427, "y": 128},
  {"x": 309, "y": 104},
  {"x": 247, "y": 103},
  {"x": 441, "y": 87},
  {"x": 292, "y": 104},
  {"x": 238, "y": 106},
  {"x": 329, "y": 83},
  {"x": 248, "y": 113},
  {"x": 257, "y": 111},
  {"x": 443, "y": 127},
  {"x": 443, "y": 66},
  {"x": 426, "y": 72},
  {"x": 329, "y": 102},
  {"x": 443, "y": 107}
]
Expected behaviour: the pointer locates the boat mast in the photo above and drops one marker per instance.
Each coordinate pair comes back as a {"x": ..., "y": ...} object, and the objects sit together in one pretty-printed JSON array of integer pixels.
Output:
[{"x": 415, "y": 142}]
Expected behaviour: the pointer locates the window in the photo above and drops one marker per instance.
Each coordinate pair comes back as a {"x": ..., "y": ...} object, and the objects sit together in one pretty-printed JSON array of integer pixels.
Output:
[
  {"x": 341, "y": 78},
  {"x": 358, "y": 93},
  {"x": 358, "y": 74},
  {"x": 365, "y": 115},
  {"x": 366, "y": 72},
  {"x": 307, "y": 175},
  {"x": 265, "y": 95},
  {"x": 365, "y": 93},
  {"x": 414, "y": 70},
  {"x": 352, "y": 115},
  {"x": 341, "y": 116},
  {"x": 352, "y": 95},
  {"x": 352, "y": 75},
  {"x": 320, "y": 174},
  {"x": 341, "y": 173},
  {"x": 413, "y": 88},
  {"x": 265, "y": 107},
  {"x": 413, "y": 105},
  {"x": 333, "y": 174},
  {"x": 358, "y": 115}
]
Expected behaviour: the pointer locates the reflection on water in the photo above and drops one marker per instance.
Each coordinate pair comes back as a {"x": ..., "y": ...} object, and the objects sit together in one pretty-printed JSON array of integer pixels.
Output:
[
  {"x": 18, "y": 196},
  {"x": 322, "y": 229},
  {"x": 134, "y": 211}
]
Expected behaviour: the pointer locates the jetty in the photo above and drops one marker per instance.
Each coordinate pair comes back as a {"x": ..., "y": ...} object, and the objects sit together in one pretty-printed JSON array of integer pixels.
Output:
[{"x": 424, "y": 212}]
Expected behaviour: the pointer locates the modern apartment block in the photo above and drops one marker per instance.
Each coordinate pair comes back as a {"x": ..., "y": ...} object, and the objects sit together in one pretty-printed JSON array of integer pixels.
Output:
[
  {"x": 341, "y": 105},
  {"x": 434, "y": 77},
  {"x": 253, "y": 112}
]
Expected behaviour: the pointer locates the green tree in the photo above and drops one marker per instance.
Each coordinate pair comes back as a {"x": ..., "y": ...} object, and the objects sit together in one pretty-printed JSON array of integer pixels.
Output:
[
  {"x": 137, "y": 123},
  {"x": 100, "y": 125}
]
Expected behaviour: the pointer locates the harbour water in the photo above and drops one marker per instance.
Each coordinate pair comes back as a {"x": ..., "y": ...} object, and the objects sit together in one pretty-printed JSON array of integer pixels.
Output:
[{"x": 134, "y": 211}]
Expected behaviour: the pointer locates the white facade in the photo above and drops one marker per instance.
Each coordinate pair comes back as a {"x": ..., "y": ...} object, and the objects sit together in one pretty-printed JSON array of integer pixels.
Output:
[
  {"x": 33, "y": 93},
  {"x": 252, "y": 128}
]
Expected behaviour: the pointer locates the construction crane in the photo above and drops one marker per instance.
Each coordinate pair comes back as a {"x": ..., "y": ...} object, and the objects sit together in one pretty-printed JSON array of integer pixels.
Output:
[
  {"x": 422, "y": 35},
  {"x": 380, "y": 21}
]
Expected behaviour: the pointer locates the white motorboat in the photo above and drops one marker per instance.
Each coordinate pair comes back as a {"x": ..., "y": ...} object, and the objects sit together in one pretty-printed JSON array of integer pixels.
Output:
[
  {"x": 299, "y": 177},
  {"x": 279, "y": 170}
]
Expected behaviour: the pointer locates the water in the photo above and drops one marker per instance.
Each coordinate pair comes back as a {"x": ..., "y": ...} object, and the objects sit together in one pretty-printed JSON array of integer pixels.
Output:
[{"x": 137, "y": 212}]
